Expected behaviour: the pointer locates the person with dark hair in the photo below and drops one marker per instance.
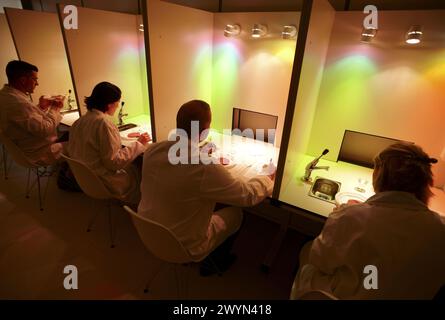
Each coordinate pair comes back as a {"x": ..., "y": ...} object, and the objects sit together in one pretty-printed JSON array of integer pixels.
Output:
[
  {"x": 182, "y": 196},
  {"x": 31, "y": 127},
  {"x": 95, "y": 140},
  {"x": 392, "y": 236}
]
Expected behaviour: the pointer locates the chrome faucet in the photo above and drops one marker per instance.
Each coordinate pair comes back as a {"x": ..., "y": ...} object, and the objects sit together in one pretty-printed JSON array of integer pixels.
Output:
[
  {"x": 121, "y": 115},
  {"x": 313, "y": 166}
]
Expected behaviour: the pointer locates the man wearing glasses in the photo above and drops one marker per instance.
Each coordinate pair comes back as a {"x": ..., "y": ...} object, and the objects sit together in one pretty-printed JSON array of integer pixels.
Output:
[{"x": 31, "y": 127}]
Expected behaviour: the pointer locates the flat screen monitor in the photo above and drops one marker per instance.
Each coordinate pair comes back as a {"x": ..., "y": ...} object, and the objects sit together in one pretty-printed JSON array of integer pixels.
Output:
[
  {"x": 361, "y": 148},
  {"x": 245, "y": 119}
]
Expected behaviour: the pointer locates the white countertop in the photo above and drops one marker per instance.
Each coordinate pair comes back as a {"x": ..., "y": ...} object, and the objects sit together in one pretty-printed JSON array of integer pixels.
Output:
[
  {"x": 143, "y": 125},
  {"x": 296, "y": 192},
  {"x": 70, "y": 117},
  {"x": 247, "y": 156}
]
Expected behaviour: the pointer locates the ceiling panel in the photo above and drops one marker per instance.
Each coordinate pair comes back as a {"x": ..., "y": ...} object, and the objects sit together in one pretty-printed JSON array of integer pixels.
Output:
[
  {"x": 207, "y": 5},
  {"x": 241, "y": 5},
  {"x": 132, "y": 6},
  {"x": 10, "y": 4},
  {"x": 296, "y": 5},
  {"x": 126, "y": 6},
  {"x": 358, "y": 5}
]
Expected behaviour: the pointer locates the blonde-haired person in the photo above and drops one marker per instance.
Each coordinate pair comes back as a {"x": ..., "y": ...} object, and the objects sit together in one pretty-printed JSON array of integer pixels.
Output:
[{"x": 393, "y": 230}]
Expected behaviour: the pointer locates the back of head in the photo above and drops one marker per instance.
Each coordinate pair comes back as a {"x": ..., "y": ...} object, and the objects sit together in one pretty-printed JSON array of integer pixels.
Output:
[
  {"x": 103, "y": 94},
  {"x": 16, "y": 69},
  {"x": 404, "y": 167},
  {"x": 194, "y": 110}
]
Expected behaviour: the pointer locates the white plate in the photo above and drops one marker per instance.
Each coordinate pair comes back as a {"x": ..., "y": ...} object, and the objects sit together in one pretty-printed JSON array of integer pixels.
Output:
[{"x": 344, "y": 197}]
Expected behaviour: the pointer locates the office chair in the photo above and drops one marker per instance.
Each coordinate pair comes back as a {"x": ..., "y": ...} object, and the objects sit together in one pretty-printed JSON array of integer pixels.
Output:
[
  {"x": 163, "y": 244},
  {"x": 18, "y": 156},
  {"x": 93, "y": 187}
]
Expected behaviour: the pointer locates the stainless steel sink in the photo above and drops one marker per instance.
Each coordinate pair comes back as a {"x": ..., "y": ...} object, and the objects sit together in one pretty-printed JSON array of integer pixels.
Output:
[
  {"x": 126, "y": 126},
  {"x": 325, "y": 189}
]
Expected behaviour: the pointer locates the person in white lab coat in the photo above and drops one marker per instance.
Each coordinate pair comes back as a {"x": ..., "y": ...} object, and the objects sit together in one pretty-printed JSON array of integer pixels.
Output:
[
  {"x": 31, "y": 127},
  {"x": 182, "y": 196},
  {"x": 95, "y": 140},
  {"x": 389, "y": 247}
]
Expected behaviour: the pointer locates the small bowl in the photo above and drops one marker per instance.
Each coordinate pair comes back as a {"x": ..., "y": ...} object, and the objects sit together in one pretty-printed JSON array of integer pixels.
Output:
[{"x": 344, "y": 197}]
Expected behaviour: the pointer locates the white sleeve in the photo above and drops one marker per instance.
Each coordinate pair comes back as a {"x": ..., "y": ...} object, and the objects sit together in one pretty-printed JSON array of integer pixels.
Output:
[
  {"x": 219, "y": 185},
  {"x": 334, "y": 258},
  {"x": 35, "y": 121},
  {"x": 113, "y": 155}
]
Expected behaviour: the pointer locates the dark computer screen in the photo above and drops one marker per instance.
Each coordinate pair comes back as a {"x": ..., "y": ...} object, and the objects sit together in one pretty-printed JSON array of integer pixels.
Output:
[
  {"x": 361, "y": 148},
  {"x": 245, "y": 119}
]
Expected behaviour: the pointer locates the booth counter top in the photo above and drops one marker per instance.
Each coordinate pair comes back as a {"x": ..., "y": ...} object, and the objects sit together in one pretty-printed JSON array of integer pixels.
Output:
[
  {"x": 68, "y": 118},
  {"x": 296, "y": 192},
  {"x": 142, "y": 123}
]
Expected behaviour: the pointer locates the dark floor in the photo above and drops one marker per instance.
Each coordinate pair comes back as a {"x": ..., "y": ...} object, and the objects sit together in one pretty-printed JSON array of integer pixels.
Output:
[{"x": 35, "y": 247}]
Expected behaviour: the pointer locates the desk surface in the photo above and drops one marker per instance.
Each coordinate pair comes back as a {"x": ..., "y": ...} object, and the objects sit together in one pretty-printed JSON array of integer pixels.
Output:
[
  {"x": 247, "y": 156},
  {"x": 70, "y": 117},
  {"x": 296, "y": 191},
  {"x": 143, "y": 125}
]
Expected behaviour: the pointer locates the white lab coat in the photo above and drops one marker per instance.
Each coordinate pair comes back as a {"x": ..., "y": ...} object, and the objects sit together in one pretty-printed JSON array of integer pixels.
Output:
[
  {"x": 182, "y": 198},
  {"x": 393, "y": 231},
  {"x": 95, "y": 140},
  {"x": 30, "y": 128}
]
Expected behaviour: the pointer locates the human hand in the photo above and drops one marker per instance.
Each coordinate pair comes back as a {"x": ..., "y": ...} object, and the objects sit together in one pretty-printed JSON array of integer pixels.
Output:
[
  {"x": 44, "y": 103},
  {"x": 144, "y": 138},
  {"x": 269, "y": 170},
  {"x": 57, "y": 104},
  {"x": 348, "y": 203},
  {"x": 224, "y": 161}
]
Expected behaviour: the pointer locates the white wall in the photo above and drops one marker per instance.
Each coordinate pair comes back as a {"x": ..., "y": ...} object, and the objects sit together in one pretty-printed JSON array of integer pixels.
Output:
[
  {"x": 316, "y": 48},
  {"x": 181, "y": 59},
  {"x": 387, "y": 87},
  {"x": 143, "y": 68},
  {"x": 39, "y": 41},
  {"x": 7, "y": 53},
  {"x": 106, "y": 47},
  {"x": 191, "y": 59},
  {"x": 252, "y": 74}
]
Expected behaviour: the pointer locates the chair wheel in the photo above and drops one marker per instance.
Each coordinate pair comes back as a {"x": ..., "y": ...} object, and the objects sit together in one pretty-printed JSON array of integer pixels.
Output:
[
  {"x": 145, "y": 290},
  {"x": 27, "y": 197},
  {"x": 112, "y": 246},
  {"x": 88, "y": 230}
]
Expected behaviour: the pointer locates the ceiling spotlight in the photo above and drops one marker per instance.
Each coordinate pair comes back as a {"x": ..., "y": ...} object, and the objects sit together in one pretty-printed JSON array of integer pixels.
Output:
[
  {"x": 289, "y": 32},
  {"x": 414, "y": 35},
  {"x": 232, "y": 30},
  {"x": 368, "y": 34},
  {"x": 259, "y": 30}
]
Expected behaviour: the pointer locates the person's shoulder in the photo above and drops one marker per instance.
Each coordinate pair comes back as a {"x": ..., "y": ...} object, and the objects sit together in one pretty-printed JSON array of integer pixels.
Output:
[
  {"x": 215, "y": 167},
  {"x": 436, "y": 217},
  {"x": 158, "y": 147},
  {"x": 352, "y": 212}
]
